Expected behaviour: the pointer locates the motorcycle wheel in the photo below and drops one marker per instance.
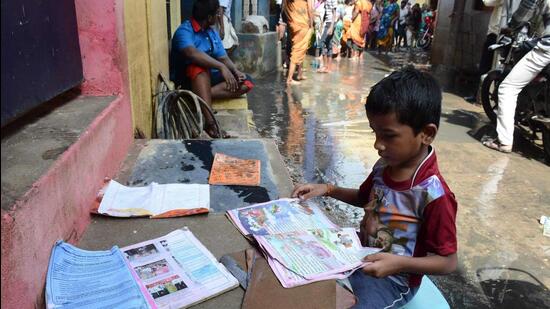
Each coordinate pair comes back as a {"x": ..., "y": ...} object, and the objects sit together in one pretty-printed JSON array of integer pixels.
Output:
[
  {"x": 489, "y": 94},
  {"x": 546, "y": 143},
  {"x": 425, "y": 42}
]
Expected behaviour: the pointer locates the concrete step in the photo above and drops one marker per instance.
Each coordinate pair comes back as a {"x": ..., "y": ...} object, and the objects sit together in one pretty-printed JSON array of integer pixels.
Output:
[
  {"x": 235, "y": 117},
  {"x": 189, "y": 161},
  {"x": 52, "y": 169}
]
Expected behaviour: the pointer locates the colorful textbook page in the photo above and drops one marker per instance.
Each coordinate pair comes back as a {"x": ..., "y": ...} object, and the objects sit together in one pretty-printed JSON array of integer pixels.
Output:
[
  {"x": 227, "y": 170},
  {"x": 301, "y": 257},
  {"x": 278, "y": 216},
  {"x": 92, "y": 279},
  {"x": 177, "y": 270},
  {"x": 154, "y": 200}
]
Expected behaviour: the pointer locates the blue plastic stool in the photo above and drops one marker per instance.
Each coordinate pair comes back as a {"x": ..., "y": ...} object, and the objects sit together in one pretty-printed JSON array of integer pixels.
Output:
[{"x": 428, "y": 296}]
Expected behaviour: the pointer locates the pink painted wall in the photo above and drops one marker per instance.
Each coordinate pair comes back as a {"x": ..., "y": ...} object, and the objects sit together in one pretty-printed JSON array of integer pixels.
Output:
[
  {"x": 99, "y": 46},
  {"x": 58, "y": 204}
]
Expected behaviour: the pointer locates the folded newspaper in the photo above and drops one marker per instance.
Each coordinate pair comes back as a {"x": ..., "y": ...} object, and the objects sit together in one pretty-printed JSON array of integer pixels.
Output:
[
  {"x": 301, "y": 244},
  {"x": 172, "y": 271}
]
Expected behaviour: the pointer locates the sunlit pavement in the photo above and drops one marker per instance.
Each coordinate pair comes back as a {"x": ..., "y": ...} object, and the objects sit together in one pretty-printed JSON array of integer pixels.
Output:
[{"x": 323, "y": 134}]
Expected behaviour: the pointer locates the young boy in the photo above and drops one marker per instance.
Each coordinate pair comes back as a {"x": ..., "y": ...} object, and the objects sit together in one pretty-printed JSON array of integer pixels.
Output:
[{"x": 409, "y": 210}]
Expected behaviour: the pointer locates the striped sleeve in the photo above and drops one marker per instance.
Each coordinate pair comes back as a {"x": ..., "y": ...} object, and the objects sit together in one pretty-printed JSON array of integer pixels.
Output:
[{"x": 524, "y": 12}]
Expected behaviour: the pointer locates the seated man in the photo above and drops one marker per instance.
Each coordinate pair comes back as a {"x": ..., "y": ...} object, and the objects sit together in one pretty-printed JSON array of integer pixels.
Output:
[{"x": 199, "y": 62}]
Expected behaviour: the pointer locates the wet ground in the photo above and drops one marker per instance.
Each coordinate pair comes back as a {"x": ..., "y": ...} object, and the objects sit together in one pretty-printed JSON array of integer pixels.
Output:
[{"x": 323, "y": 134}]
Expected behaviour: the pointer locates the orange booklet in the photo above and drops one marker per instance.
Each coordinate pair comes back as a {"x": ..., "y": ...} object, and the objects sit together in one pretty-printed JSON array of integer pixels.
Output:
[{"x": 227, "y": 170}]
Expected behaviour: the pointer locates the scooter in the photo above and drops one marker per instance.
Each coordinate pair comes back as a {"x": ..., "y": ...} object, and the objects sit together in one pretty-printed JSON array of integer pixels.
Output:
[
  {"x": 426, "y": 36},
  {"x": 533, "y": 105}
]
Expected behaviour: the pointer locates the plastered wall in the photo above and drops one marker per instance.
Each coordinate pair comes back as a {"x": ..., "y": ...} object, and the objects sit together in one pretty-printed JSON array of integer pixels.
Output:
[{"x": 145, "y": 24}]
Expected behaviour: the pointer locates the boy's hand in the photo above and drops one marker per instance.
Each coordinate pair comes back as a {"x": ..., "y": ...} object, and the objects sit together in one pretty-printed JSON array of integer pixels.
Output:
[
  {"x": 383, "y": 264},
  {"x": 307, "y": 191}
]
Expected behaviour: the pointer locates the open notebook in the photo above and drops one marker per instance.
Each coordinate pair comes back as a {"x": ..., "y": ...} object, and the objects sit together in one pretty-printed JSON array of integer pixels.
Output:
[{"x": 154, "y": 200}]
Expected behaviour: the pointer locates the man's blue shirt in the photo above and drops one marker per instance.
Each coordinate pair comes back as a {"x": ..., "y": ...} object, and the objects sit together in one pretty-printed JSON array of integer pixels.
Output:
[{"x": 190, "y": 34}]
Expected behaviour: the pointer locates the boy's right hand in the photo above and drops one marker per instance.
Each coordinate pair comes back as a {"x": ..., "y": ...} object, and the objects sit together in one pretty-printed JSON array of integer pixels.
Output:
[{"x": 307, "y": 191}]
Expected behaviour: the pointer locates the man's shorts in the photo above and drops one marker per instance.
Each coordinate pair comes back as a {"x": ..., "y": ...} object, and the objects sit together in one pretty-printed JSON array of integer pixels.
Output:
[{"x": 216, "y": 77}]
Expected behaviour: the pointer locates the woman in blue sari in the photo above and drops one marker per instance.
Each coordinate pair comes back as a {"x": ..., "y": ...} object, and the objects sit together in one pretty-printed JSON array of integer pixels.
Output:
[{"x": 385, "y": 32}]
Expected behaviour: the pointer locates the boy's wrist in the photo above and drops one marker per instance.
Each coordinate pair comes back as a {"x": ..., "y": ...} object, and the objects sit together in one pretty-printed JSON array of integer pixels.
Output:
[{"x": 330, "y": 188}]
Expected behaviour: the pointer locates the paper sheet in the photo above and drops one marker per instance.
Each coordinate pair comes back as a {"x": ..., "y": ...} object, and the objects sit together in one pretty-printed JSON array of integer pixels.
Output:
[
  {"x": 91, "y": 279},
  {"x": 177, "y": 270},
  {"x": 227, "y": 170},
  {"x": 278, "y": 216},
  {"x": 158, "y": 201}
]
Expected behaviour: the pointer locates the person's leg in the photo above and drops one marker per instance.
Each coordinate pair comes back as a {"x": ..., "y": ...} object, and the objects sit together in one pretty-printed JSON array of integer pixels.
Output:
[
  {"x": 220, "y": 91},
  {"x": 522, "y": 73},
  {"x": 328, "y": 43},
  {"x": 379, "y": 292},
  {"x": 409, "y": 37},
  {"x": 323, "y": 46},
  {"x": 200, "y": 85},
  {"x": 290, "y": 77}
]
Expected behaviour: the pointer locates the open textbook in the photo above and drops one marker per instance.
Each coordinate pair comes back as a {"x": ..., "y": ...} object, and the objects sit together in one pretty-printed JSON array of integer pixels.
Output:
[
  {"x": 300, "y": 243},
  {"x": 278, "y": 216},
  {"x": 154, "y": 200},
  {"x": 172, "y": 271}
]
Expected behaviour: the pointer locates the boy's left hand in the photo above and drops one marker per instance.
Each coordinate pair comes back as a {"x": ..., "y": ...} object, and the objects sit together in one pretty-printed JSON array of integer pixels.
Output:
[{"x": 383, "y": 264}]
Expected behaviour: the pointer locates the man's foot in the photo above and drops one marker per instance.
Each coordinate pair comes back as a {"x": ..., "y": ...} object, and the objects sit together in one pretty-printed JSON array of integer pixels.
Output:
[
  {"x": 496, "y": 145},
  {"x": 323, "y": 70},
  {"x": 212, "y": 131},
  {"x": 470, "y": 99},
  {"x": 291, "y": 81}
]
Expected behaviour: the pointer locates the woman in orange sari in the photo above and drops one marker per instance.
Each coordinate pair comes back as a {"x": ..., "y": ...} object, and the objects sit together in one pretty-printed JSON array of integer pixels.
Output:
[
  {"x": 358, "y": 30},
  {"x": 299, "y": 17},
  {"x": 348, "y": 13}
]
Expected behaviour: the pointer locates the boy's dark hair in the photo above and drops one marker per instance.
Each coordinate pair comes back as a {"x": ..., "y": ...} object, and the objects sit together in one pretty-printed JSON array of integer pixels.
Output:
[
  {"x": 414, "y": 97},
  {"x": 204, "y": 8}
]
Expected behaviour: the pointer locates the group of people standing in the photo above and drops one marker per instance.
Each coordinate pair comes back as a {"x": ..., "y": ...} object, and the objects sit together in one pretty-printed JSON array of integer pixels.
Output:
[{"x": 346, "y": 28}]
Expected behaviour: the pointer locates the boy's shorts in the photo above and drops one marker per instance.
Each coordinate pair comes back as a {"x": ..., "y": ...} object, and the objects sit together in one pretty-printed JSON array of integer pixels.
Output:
[{"x": 379, "y": 292}]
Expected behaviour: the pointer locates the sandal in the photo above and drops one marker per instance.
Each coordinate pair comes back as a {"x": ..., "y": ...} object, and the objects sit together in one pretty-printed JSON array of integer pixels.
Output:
[{"x": 496, "y": 145}]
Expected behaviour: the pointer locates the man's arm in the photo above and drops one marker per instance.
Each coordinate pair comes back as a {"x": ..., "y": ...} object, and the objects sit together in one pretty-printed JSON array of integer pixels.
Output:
[
  {"x": 386, "y": 264},
  {"x": 202, "y": 59},
  {"x": 219, "y": 18},
  {"x": 524, "y": 12},
  {"x": 231, "y": 66}
]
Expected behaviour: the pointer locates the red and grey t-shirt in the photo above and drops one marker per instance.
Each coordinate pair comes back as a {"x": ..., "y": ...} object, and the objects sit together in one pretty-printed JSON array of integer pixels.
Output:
[{"x": 419, "y": 213}]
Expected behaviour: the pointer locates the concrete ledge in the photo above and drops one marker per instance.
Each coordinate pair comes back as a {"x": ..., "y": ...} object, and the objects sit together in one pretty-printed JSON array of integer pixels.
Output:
[
  {"x": 230, "y": 104},
  {"x": 57, "y": 205},
  {"x": 256, "y": 53}
]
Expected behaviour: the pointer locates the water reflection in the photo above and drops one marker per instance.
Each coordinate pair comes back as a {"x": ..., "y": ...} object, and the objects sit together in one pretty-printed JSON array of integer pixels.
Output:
[{"x": 320, "y": 126}]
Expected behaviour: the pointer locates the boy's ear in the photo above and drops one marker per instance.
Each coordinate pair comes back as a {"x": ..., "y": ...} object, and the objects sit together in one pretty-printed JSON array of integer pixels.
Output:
[{"x": 428, "y": 133}]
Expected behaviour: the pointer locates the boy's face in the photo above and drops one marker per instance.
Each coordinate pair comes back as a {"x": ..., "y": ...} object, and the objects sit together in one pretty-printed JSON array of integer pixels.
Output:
[{"x": 396, "y": 142}]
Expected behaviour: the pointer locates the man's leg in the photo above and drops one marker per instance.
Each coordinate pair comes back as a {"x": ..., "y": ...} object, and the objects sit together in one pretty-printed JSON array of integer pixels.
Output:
[
  {"x": 323, "y": 45},
  {"x": 200, "y": 85},
  {"x": 220, "y": 91},
  {"x": 522, "y": 73},
  {"x": 328, "y": 44}
]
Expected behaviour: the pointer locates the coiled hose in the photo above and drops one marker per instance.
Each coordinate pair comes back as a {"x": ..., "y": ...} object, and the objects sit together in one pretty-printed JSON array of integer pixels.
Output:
[{"x": 178, "y": 114}]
